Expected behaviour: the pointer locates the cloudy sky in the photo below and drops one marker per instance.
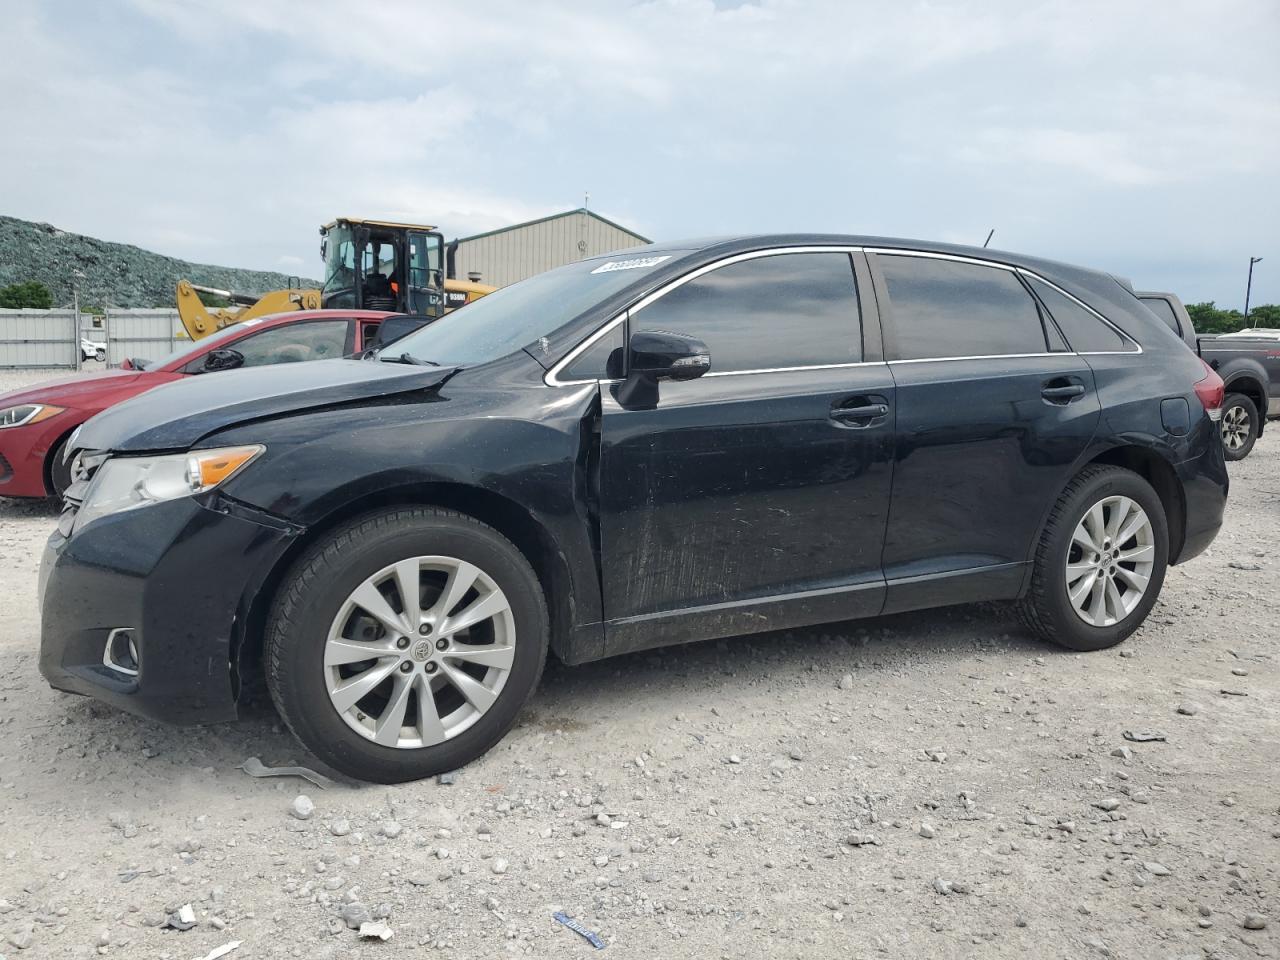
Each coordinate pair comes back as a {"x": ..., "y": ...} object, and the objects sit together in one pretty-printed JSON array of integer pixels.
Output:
[{"x": 1139, "y": 137}]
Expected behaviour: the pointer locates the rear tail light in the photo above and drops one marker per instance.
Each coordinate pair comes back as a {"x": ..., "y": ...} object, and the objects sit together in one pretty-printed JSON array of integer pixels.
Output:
[{"x": 1211, "y": 391}]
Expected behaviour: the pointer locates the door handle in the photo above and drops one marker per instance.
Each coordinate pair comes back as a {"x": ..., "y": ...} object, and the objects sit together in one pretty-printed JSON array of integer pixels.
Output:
[
  {"x": 1063, "y": 394},
  {"x": 861, "y": 415}
]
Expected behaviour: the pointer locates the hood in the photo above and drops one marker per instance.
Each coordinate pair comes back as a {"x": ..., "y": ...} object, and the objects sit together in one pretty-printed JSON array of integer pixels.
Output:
[
  {"x": 65, "y": 390},
  {"x": 177, "y": 415}
]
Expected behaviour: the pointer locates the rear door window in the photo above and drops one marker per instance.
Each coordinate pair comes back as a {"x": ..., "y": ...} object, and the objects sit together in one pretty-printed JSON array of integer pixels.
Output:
[
  {"x": 777, "y": 311},
  {"x": 950, "y": 308},
  {"x": 1084, "y": 332}
]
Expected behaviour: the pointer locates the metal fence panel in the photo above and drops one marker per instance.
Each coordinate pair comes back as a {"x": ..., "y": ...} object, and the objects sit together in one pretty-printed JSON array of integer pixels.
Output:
[
  {"x": 38, "y": 338},
  {"x": 145, "y": 334}
]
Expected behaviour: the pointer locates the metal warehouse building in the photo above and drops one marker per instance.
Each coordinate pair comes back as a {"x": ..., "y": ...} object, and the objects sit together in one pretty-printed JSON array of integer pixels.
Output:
[{"x": 523, "y": 249}]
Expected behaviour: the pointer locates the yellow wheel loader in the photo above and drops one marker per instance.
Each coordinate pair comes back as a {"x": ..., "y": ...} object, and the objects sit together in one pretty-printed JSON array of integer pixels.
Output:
[{"x": 368, "y": 265}]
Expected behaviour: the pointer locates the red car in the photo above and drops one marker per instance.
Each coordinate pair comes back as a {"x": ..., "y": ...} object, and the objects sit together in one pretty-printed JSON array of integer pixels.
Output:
[{"x": 36, "y": 421}]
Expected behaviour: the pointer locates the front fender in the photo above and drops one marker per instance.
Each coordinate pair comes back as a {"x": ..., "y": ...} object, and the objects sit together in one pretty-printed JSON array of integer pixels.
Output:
[{"x": 327, "y": 463}]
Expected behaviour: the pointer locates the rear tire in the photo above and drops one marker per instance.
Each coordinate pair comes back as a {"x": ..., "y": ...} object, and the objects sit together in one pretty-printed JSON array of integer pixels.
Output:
[
  {"x": 1089, "y": 588},
  {"x": 1240, "y": 426},
  {"x": 447, "y": 692}
]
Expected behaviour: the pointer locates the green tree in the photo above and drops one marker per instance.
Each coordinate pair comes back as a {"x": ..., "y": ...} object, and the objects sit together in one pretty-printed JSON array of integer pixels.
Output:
[
  {"x": 1208, "y": 318},
  {"x": 1267, "y": 315},
  {"x": 32, "y": 294}
]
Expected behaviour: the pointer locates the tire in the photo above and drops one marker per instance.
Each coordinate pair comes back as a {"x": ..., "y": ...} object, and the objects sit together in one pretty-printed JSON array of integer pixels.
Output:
[
  {"x": 315, "y": 617},
  {"x": 1048, "y": 610},
  {"x": 59, "y": 472},
  {"x": 1240, "y": 426},
  {"x": 100, "y": 356}
]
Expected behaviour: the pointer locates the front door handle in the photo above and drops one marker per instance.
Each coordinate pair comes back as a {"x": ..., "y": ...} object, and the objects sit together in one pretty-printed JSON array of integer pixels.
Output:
[
  {"x": 862, "y": 415},
  {"x": 1063, "y": 393}
]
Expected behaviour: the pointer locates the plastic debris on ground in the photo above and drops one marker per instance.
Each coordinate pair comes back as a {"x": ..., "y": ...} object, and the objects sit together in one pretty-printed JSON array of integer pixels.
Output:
[
  {"x": 221, "y": 951},
  {"x": 256, "y": 768},
  {"x": 375, "y": 930},
  {"x": 1143, "y": 736},
  {"x": 183, "y": 919},
  {"x": 579, "y": 929}
]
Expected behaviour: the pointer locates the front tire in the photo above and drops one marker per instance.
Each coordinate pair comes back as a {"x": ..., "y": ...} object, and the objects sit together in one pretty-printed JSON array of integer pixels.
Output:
[
  {"x": 387, "y": 686},
  {"x": 59, "y": 472},
  {"x": 1100, "y": 562},
  {"x": 1240, "y": 425}
]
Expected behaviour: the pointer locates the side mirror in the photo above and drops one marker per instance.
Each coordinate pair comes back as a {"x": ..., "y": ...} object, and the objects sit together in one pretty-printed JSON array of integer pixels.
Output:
[
  {"x": 225, "y": 359},
  {"x": 659, "y": 355}
]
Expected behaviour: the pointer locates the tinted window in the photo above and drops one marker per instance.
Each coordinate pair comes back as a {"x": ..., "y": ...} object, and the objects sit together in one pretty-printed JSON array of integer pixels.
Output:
[
  {"x": 1085, "y": 332},
  {"x": 1163, "y": 309},
  {"x": 294, "y": 343},
  {"x": 789, "y": 310},
  {"x": 944, "y": 308},
  {"x": 600, "y": 361}
]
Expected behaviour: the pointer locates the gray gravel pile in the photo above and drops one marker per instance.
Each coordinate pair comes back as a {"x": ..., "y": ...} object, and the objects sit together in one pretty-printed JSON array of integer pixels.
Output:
[{"x": 114, "y": 274}]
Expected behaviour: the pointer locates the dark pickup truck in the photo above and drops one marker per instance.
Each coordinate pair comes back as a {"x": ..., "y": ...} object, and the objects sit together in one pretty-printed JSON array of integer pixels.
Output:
[{"x": 1248, "y": 364}]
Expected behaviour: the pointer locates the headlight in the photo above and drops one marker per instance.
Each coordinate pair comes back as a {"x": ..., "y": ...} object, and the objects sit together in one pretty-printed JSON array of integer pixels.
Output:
[
  {"x": 25, "y": 413},
  {"x": 127, "y": 482}
]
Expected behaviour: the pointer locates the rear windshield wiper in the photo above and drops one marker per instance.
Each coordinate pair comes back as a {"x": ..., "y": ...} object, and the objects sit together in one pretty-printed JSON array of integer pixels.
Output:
[{"x": 410, "y": 359}]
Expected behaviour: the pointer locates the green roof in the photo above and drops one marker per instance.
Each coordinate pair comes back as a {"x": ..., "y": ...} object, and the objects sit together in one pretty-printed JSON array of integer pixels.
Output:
[{"x": 556, "y": 216}]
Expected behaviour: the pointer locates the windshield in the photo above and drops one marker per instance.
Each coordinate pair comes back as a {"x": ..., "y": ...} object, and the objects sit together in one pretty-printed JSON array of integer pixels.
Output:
[
  {"x": 339, "y": 262},
  {"x": 195, "y": 346},
  {"x": 520, "y": 314}
]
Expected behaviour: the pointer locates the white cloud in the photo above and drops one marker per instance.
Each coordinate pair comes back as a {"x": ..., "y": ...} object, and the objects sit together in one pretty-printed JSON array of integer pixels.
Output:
[{"x": 228, "y": 130}]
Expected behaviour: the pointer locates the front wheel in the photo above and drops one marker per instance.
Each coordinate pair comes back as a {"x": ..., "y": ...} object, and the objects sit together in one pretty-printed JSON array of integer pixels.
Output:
[
  {"x": 1100, "y": 562},
  {"x": 405, "y": 643},
  {"x": 59, "y": 469},
  {"x": 1240, "y": 423}
]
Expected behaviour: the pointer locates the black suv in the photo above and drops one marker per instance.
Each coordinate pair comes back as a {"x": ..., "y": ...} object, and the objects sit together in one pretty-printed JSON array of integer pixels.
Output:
[{"x": 682, "y": 442}]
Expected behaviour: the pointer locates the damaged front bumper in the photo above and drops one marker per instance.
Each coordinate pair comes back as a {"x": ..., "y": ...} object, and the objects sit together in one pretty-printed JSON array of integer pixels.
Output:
[{"x": 150, "y": 576}]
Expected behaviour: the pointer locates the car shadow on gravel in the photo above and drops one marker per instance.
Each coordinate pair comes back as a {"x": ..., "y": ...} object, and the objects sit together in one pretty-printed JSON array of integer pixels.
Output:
[
  {"x": 577, "y": 701},
  {"x": 13, "y": 508},
  {"x": 928, "y": 640}
]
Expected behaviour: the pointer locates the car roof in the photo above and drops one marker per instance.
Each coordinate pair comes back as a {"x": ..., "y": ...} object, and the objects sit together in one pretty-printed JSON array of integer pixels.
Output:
[
  {"x": 295, "y": 316},
  {"x": 744, "y": 242}
]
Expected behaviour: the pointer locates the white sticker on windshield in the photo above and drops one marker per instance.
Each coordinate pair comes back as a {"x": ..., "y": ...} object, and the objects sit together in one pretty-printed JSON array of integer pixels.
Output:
[{"x": 635, "y": 264}]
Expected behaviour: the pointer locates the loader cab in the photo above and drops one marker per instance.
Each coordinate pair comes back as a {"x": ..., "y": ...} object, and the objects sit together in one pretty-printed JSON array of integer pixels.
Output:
[{"x": 376, "y": 265}]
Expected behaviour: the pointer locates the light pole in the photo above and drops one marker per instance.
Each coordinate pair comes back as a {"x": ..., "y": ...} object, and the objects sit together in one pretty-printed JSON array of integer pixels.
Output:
[{"x": 1249, "y": 287}]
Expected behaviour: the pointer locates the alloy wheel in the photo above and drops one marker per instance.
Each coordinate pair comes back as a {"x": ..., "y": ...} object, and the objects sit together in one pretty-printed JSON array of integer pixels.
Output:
[
  {"x": 1236, "y": 427},
  {"x": 1110, "y": 561},
  {"x": 419, "y": 652}
]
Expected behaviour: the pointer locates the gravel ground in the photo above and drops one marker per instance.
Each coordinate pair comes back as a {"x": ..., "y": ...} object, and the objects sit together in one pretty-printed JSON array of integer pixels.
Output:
[{"x": 927, "y": 785}]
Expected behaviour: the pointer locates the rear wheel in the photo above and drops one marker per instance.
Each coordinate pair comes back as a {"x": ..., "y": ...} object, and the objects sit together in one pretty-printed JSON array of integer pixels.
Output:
[
  {"x": 1101, "y": 560},
  {"x": 1240, "y": 423},
  {"x": 405, "y": 643}
]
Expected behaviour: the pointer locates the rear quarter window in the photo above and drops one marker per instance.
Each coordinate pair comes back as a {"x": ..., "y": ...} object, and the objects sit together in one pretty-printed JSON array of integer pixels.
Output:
[{"x": 1084, "y": 331}]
